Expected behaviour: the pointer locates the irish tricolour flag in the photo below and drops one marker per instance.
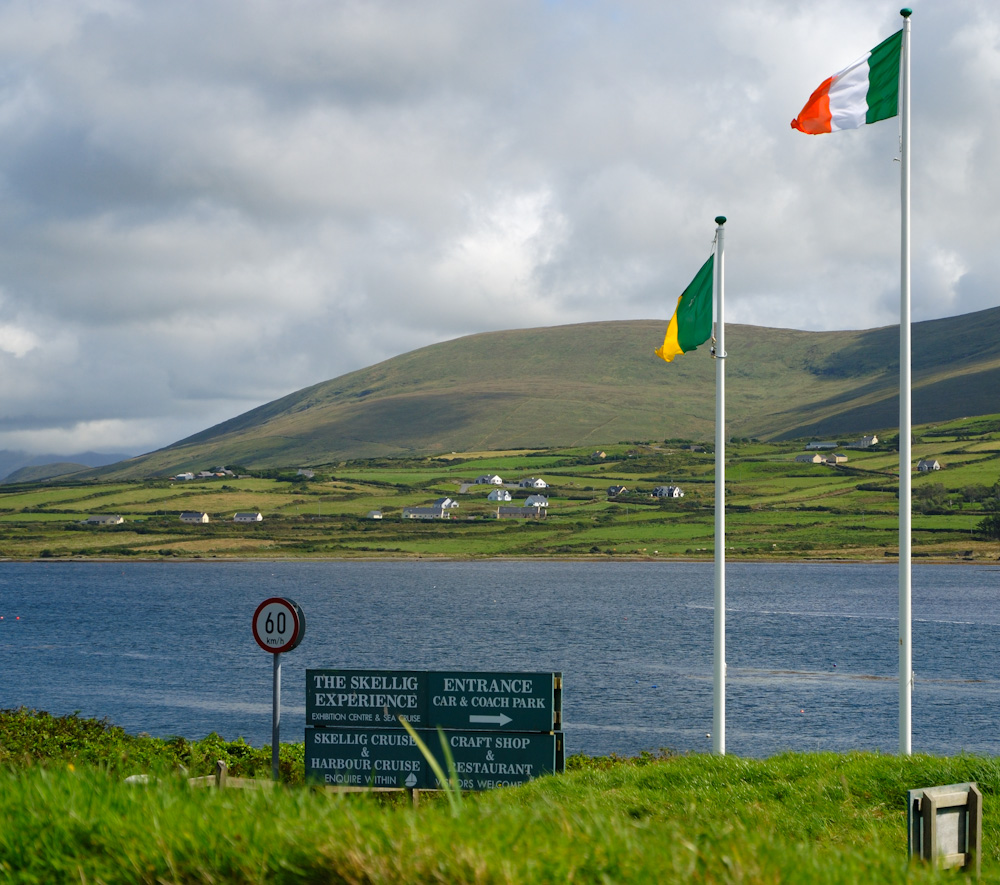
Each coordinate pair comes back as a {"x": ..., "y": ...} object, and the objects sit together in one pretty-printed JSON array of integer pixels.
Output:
[{"x": 864, "y": 92}]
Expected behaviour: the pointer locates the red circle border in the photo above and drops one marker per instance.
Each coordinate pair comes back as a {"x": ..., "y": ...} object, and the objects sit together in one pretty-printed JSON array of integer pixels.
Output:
[{"x": 293, "y": 609}]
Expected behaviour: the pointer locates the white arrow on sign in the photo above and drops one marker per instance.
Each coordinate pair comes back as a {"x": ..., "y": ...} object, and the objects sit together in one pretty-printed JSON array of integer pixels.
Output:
[{"x": 490, "y": 720}]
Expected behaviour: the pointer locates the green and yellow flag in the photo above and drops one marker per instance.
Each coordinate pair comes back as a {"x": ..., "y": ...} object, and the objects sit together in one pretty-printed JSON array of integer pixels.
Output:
[{"x": 691, "y": 323}]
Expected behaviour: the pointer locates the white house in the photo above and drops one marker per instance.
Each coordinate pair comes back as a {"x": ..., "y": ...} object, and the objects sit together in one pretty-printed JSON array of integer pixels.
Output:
[
  {"x": 104, "y": 519},
  {"x": 865, "y": 442},
  {"x": 668, "y": 492},
  {"x": 928, "y": 466},
  {"x": 248, "y": 517},
  {"x": 373, "y": 514},
  {"x": 194, "y": 516},
  {"x": 536, "y": 501},
  {"x": 184, "y": 476},
  {"x": 533, "y": 483},
  {"x": 445, "y": 503},
  {"x": 814, "y": 458},
  {"x": 489, "y": 479},
  {"x": 498, "y": 495}
]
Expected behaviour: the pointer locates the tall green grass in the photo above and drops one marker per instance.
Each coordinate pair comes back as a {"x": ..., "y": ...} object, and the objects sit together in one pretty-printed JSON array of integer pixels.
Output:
[
  {"x": 795, "y": 818},
  {"x": 69, "y": 816}
]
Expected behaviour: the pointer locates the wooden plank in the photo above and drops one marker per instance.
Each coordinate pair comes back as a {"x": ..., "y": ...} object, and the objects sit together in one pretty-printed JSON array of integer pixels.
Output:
[
  {"x": 928, "y": 809},
  {"x": 950, "y": 800},
  {"x": 414, "y": 794},
  {"x": 947, "y": 861},
  {"x": 975, "y": 830}
]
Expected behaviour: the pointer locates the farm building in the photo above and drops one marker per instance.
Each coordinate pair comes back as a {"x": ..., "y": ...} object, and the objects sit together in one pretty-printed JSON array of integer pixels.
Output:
[
  {"x": 520, "y": 513},
  {"x": 425, "y": 513},
  {"x": 668, "y": 492},
  {"x": 533, "y": 483},
  {"x": 104, "y": 519}
]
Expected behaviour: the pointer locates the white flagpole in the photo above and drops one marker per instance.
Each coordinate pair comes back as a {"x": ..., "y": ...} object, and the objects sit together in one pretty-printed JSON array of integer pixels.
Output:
[
  {"x": 719, "y": 665},
  {"x": 905, "y": 417}
]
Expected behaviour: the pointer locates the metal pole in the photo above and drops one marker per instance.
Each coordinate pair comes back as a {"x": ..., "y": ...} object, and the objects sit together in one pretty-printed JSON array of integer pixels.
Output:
[
  {"x": 276, "y": 715},
  {"x": 905, "y": 417},
  {"x": 719, "y": 664}
]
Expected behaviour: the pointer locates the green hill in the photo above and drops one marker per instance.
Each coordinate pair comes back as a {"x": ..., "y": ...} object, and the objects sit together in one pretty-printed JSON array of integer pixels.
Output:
[
  {"x": 597, "y": 383},
  {"x": 40, "y": 472}
]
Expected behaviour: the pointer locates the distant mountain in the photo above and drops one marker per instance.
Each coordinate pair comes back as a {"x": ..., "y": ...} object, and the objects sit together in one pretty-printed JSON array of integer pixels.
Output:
[
  {"x": 598, "y": 383},
  {"x": 24, "y": 467}
]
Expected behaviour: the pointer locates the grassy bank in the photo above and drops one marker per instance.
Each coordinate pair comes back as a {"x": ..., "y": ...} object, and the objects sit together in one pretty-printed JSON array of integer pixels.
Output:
[
  {"x": 31, "y": 738},
  {"x": 792, "y": 818}
]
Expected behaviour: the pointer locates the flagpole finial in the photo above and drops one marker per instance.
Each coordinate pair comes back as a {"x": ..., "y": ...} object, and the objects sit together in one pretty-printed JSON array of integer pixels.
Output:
[
  {"x": 720, "y": 219},
  {"x": 906, "y": 12}
]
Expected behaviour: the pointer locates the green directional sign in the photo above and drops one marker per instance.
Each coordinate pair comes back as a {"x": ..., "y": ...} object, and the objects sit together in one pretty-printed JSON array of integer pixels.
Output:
[
  {"x": 484, "y": 760},
  {"x": 366, "y": 698},
  {"x": 461, "y": 700},
  {"x": 389, "y": 757},
  {"x": 511, "y": 701},
  {"x": 364, "y": 757}
]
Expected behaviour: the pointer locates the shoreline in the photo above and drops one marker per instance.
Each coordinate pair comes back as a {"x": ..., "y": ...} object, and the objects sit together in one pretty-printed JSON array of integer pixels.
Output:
[{"x": 604, "y": 559}]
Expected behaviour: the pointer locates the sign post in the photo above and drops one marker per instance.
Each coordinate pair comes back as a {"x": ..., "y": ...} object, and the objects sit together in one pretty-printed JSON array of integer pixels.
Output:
[
  {"x": 275, "y": 713},
  {"x": 278, "y": 626}
]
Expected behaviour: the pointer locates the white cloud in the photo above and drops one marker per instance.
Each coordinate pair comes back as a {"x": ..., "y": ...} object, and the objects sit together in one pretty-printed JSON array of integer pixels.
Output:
[
  {"x": 17, "y": 341},
  {"x": 81, "y": 436}
]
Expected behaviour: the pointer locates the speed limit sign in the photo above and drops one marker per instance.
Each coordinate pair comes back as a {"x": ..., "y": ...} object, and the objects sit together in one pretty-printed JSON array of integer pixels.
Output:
[{"x": 278, "y": 625}]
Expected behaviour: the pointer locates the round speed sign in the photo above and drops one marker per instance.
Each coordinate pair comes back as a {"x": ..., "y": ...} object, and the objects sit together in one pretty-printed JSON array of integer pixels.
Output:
[{"x": 278, "y": 625}]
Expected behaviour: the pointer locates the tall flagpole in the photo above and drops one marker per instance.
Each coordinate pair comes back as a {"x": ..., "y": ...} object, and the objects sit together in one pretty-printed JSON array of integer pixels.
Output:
[
  {"x": 905, "y": 418},
  {"x": 719, "y": 665}
]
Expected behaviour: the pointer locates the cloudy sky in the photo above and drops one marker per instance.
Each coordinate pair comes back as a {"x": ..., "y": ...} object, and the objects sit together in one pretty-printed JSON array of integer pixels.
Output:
[{"x": 207, "y": 204}]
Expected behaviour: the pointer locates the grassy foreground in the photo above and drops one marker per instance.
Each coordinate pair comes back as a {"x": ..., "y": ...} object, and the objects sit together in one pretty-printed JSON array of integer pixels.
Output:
[{"x": 791, "y": 818}]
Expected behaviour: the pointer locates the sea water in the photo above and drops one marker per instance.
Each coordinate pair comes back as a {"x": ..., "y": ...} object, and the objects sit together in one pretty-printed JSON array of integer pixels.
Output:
[{"x": 812, "y": 648}]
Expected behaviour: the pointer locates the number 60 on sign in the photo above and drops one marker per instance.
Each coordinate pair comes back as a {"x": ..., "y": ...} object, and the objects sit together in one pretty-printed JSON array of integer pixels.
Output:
[{"x": 278, "y": 625}]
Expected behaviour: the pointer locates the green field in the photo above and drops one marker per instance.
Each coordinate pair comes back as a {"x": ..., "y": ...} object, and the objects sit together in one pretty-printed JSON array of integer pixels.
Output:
[{"x": 776, "y": 507}]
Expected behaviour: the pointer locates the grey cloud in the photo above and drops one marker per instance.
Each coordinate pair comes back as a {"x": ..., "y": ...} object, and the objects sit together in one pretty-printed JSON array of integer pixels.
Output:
[{"x": 206, "y": 205}]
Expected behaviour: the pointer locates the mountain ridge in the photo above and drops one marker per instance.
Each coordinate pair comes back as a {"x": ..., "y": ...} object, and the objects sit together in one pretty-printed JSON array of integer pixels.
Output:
[{"x": 599, "y": 383}]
